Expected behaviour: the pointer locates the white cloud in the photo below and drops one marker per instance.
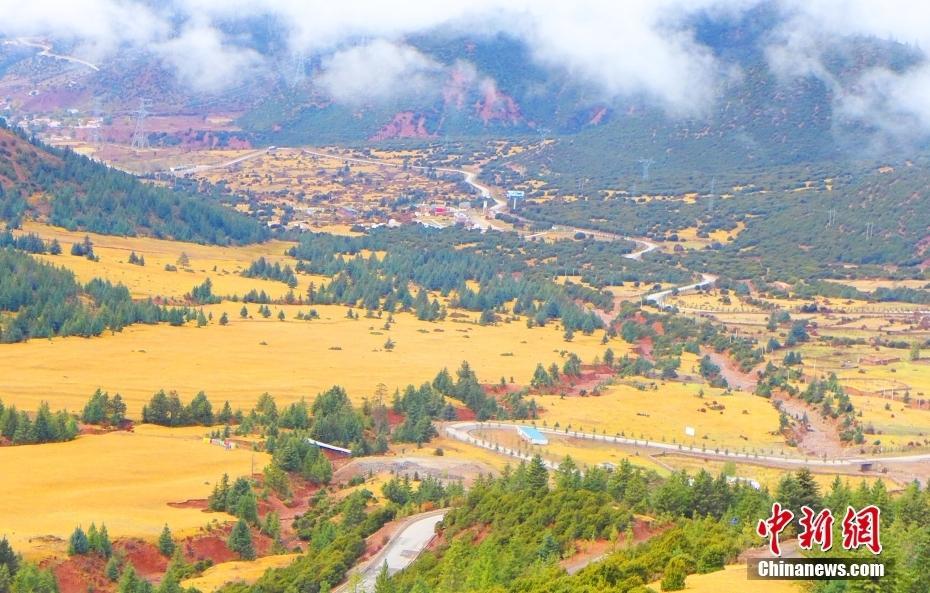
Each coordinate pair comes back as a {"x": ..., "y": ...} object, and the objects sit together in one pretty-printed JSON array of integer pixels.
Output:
[
  {"x": 618, "y": 48},
  {"x": 377, "y": 71},
  {"x": 895, "y": 101},
  {"x": 204, "y": 61}
]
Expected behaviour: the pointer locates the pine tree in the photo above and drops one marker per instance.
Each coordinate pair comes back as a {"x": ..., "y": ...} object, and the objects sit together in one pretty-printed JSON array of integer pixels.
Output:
[
  {"x": 78, "y": 543},
  {"x": 540, "y": 377},
  {"x": 240, "y": 541},
  {"x": 272, "y": 525},
  {"x": 383, "y": 582},
  {"x": 224, "y": 319},
  {"x": 247, "y": 508},
  {"x": 93, "y": 538},
  {"x": 537, "y": 478},
  {"x": 673, "y": 579},
  {"x": 165, "y": 543},
  {"x": 8, "y": 557},
  {"x": 104, "y": 546},
  {"x": 6, "y": 579},
  {"x": 112, "y": 569}
]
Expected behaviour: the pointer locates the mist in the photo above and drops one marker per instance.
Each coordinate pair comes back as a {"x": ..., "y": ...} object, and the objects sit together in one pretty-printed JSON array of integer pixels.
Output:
[{"x": 635, "y": 48}]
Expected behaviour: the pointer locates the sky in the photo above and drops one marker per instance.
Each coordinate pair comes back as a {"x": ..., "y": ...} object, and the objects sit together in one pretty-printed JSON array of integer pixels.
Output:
[{"x": 617, "y": 49}]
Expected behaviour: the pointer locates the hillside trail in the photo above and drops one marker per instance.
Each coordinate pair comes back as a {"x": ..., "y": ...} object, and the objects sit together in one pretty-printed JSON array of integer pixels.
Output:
[{"x": 820, "y": 438}]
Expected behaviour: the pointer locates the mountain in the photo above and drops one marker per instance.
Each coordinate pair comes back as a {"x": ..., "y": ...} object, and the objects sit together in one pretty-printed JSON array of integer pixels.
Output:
[
  {"x": 492, "y": 86},
  {"x": 70, "y": 190}
]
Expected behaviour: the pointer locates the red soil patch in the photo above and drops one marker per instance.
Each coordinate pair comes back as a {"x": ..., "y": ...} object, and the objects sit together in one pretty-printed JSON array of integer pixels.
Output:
[
  {"x": 212, "y": 545},
  {"x": 405, "y": 124},
  {"x": 498, "y": 389},
  {"x": 208, "y": 547},
  {"x": 495, "y": 105},
  {"x": 395, "y": 418},
  {"x": 79, "y": 574},
  {"x": 592, "y": 551},
  {"x": 144, "y": 557},
  {"x": 644, "y": 348},
  {"x": 191, "y": 503},
  {"x": 599, "y": 114}
]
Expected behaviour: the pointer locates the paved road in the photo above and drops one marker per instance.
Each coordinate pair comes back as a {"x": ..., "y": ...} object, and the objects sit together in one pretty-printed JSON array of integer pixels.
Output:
[
  {"x": 659, "y": 297},
  {"x": 223, "y": 165},
  {"x": 462, "y": 431},
  {"x": 47, "y": 52},
  {"x": 402, "y": 549}
]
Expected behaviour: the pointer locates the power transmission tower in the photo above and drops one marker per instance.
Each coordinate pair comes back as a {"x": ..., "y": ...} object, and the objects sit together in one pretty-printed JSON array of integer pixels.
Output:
[
  {"x": 95, "y": 138},
  {"x": 139, "y": 138},
  {"x": 869, "y": 231},
  {"x": 713, "y": 193},
  {"x": 832, "y": 218},
  {"x": 646, "y": 163}
]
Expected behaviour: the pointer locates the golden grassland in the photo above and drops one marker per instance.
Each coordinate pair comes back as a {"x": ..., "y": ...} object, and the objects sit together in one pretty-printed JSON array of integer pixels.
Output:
[
  {"x": 767, "y": 477},
  {"x": 688, "y": 237},
  {"x": 661, "y": 414},
  {"x": 456, "y": 449},
  {"x": 870, "y": 284},
  {"x": 296, "y": 176},
  {"x": 583, "y": 453},
  {"x": 289, "y": 359},
  {"x": 123, "y": 479},
  {"x": 732, "y": 578},
  {"x": 240, "y": 571},
  {"x": 892, "y": 423},
  {"x": 222, "y": 265}
]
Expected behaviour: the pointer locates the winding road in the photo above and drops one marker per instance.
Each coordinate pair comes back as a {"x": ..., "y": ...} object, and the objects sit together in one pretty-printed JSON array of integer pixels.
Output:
[
  {"x": 48, "y": 53},
  {"x": 401, "y": 550},
  {"x": 658, "y": 298},
  {"x": 481, "y": 219},
  {"x": 461, "y": 431}
]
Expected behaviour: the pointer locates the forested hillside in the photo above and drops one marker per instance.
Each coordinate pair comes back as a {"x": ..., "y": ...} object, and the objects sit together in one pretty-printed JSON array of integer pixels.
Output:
[
  {"x": 502, "y": 266},
  {"x": 800, "y": 229},
  {"x": 72, "y": 191},
  {"x": 38, "y": 300}
]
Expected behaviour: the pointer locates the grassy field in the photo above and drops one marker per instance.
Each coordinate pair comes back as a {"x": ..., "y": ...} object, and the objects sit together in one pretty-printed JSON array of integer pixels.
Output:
[
  {"x": 243, "y": 571},
  {"x": 584, "y": 453},
  {"x": 661, "y": 414},
  {"x": 733, "y": 579},
  {"x": 892, "y": 423},
  {"x": 289, "y": 359},
  {"x": 766, "y": 476},
  {"x": 221, "y": 264},
  {"x": 125, "y": 480}
]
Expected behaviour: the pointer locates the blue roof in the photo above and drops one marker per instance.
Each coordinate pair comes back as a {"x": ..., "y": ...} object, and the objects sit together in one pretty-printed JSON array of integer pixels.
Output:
[{"x": 532, "y": 434}]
